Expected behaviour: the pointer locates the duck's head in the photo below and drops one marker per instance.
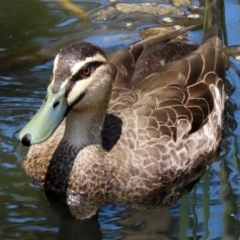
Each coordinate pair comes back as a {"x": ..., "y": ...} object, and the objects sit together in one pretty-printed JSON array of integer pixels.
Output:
[{"x": 80, "y": 81}]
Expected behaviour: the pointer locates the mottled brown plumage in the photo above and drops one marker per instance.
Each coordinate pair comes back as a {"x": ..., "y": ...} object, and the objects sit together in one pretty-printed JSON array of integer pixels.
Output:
[{"x": 151, "y": 131}]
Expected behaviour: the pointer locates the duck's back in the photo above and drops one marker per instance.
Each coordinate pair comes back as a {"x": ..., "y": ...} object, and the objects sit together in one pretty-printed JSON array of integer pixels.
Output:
[{"x": 167, "y": 103}]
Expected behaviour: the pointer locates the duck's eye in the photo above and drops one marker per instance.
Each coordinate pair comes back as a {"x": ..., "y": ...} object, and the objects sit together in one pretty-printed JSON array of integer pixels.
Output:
[{"x": 86, "y": 71}]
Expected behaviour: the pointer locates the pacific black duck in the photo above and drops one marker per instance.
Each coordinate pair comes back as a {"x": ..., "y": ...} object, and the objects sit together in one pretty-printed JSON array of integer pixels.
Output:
[{"x": 142, "y": 123}]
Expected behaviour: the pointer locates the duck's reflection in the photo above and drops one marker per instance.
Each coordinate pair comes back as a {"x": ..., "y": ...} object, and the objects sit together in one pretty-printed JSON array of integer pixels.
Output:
[
  {"x": 69, "y": 227},
  {"x": 115, "y": 220}
]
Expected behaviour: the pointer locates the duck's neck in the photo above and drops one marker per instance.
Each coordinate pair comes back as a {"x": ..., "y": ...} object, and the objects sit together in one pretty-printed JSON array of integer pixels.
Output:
[{"x": 83, "y": 128}]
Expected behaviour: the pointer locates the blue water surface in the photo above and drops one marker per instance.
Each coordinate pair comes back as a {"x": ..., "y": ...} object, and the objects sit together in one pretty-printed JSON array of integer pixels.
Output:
[{"x": 32, "y": 32}]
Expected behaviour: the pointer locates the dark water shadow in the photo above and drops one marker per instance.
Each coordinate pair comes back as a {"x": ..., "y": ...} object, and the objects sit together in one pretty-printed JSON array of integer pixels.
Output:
[{"x": 69, "y": 227}]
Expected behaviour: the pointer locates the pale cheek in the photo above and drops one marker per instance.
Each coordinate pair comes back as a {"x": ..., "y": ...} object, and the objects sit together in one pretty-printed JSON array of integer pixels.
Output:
[
  {"x": 79, "y": 88},
  {"x": 95, "y": 87},
  {"x": 90, "y": 101}
]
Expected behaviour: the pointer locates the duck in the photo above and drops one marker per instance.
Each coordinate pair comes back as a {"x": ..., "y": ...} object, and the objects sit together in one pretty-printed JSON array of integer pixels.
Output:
[{"x": 138, "y": 125}]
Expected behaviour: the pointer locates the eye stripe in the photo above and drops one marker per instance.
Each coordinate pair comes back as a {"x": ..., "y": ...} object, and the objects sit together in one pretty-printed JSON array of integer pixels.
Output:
[
  {"x": 78, "y": 76},
  {"x": 78, "y": 65},
  {"x": 68, "y": 62},
  {"x": 92, "y": 65}
]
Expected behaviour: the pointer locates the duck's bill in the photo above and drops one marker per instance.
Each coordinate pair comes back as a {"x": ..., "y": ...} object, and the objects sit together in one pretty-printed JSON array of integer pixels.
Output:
[{"x": 47, "y": 119}]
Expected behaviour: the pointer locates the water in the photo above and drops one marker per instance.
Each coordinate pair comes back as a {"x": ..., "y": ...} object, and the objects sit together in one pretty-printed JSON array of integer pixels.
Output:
[{"x": 32, "y": 31}]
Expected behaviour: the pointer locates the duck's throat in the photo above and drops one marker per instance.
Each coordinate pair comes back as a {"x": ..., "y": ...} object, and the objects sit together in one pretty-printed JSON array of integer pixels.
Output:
[{"x": 84, "y": 128}]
